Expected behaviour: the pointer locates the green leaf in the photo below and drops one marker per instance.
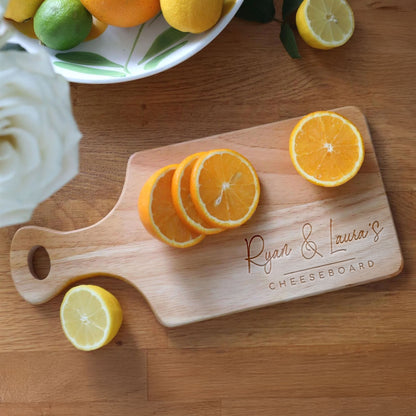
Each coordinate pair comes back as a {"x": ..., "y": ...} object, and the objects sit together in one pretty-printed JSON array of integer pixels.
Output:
[
  {"x": 155, "y": 61},
  {"x": 262, "y": 11},
  {"x": 86, "y": 58},
  {"x": 126, "y": 65},
  {"x": 289, "y": 7},
  {"x": 166, "y": 39},
  {"x": 12, "y": 47},
  {"x": 89, "y": 70},
  {"x": 289, "y": 41}
]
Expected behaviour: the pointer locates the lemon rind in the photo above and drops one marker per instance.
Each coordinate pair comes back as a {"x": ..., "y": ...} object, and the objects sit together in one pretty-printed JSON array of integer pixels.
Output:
[
  {"x": 317, "y": 37},
  {"x": 105, "y": 338}
]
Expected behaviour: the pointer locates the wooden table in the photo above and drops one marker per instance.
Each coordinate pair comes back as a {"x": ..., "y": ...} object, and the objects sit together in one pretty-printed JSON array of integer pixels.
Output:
[{"x": 351, "y": 352}]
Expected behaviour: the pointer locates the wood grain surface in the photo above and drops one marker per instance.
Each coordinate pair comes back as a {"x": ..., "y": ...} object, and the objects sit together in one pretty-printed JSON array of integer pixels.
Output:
[
  {"x": 349, "y": 352},
  {"x": 303, "y": 239}
]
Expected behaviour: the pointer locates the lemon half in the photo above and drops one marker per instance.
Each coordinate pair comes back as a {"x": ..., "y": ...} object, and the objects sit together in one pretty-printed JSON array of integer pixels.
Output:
[
  {"x": 90, "y": 317},
  {"x": 325, "y": 24}
]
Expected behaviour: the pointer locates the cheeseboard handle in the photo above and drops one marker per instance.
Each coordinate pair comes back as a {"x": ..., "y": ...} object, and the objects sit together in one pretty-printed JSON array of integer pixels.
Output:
[{"x": 72, "y": 256}]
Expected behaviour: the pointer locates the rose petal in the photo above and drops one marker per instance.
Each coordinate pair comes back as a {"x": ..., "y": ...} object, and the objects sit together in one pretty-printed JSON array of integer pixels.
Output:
[
  {"x": 6, "y": 29},
  {"x": 68, "y": 172},
  {"x": 39, "y": 135},
  {"x": 25, "y": 144},
  {"x": 8, "y": 161},
  {"x": 16, "y": 215}
]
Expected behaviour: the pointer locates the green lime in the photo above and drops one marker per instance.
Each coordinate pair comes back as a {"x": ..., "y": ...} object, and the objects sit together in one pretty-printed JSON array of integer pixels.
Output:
[{"x": 62, "y": 24}]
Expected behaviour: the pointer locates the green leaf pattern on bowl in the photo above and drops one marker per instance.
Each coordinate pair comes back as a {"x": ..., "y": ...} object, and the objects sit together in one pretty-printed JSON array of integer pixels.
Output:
[
  {"x": 92, "y": 63},
  {"x": 124, "y": 54},
  {"x": 89, "y": 70},
  {"x": 166, "y": 39}
]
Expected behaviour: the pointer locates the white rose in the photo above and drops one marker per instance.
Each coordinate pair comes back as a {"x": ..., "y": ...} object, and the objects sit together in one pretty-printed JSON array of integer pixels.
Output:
[
  {"x": 38, "y": 134},
  {"x": 6, "y": 29}
]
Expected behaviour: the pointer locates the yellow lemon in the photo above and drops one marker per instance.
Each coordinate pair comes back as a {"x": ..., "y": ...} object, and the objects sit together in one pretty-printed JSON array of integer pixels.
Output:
[
  {"x": 325, "y": 24},
  {"x": 19, "y": 10},
  {"x": 228, "y": 5},
  {"x": 193, "y": 16},
  {"x": 90, "y": 317}
]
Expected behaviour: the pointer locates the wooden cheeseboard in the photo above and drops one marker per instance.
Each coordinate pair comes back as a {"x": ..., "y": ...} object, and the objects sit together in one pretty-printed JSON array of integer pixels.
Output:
[{"x": 303, "y": 240}]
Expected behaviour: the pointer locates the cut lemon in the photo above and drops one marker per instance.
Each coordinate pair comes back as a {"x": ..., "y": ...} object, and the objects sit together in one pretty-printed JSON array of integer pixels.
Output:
[
  {"x": 158, "y": 213},
  {"x": 224, "y": 188},
  {"x": 325, "y": 24},
  {"x": 326, "y": 148},
  {"x": 90, "y": 317},
  {"x": 182, "y": 200}
]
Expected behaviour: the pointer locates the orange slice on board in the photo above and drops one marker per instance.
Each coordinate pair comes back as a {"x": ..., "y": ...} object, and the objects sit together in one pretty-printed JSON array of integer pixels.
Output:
[
  {"x": 182, "y": 200},
  {"x": 224, "y": 188},
  {"x": 326, "y": 148},
  {"x": 158, "y": 213}
]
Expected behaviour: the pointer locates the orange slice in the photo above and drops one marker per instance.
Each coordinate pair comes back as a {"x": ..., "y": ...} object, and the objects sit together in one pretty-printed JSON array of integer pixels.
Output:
[
  {"x": 158, "y": 213},
  {"x": 326, "y": 148},
  {"x": 224, "y": 188},
  {"x": 182, "y": 200}
]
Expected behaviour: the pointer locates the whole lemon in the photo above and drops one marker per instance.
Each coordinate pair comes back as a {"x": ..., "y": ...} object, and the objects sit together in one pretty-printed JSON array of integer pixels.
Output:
[
  {"x": 193, "y": 16},
  {"x": 19, "y": 10},
  {"x": 62, "y": 24}
]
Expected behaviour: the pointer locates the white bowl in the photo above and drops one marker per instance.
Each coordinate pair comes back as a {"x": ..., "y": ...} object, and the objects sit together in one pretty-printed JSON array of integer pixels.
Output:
[{"x": 125, "y": 54}]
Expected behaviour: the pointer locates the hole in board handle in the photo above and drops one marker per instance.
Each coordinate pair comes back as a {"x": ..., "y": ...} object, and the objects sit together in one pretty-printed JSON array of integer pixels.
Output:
[{"x": 39, "y": 262}]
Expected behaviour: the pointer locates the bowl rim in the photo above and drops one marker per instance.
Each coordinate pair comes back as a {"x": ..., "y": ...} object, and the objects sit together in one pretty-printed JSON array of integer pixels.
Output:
[{"x": 201, "y": 44}]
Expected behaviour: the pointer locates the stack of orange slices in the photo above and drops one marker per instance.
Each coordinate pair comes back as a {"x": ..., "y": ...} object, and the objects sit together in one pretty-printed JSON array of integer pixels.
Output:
[{"x": 208, "y": 192}]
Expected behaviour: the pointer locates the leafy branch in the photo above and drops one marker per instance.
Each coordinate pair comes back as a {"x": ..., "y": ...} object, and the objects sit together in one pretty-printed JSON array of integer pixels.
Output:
[{"x": 263, "y": 11}]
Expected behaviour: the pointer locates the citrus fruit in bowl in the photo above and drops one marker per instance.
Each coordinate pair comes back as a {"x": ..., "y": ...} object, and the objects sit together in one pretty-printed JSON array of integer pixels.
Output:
[
  {"x": 62, "y": 24},
  {"x": 118, "y": 49}
]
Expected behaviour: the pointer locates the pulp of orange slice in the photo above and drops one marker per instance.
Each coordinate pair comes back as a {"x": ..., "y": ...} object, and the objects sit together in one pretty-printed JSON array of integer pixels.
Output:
[
  {"x": 326, "y": 148},
  {"x": 182, "y": 200},
  {"x": 224, "y": 188},
  {"x": 158, "y": 214}
]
